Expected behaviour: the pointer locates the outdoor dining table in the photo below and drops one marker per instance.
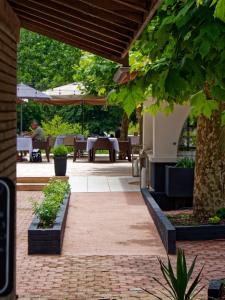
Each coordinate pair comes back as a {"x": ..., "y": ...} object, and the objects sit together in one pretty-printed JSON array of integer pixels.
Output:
[
  {"x": 24, "y": 144},
  {"x": 60, "y": 139},
  {"x": 91, "y": 141}
]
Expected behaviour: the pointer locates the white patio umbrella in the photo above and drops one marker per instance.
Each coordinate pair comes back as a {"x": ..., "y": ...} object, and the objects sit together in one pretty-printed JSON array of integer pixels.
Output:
[
  {"x": 25, "y": 92},
  {"x": 72, "y": 94}
]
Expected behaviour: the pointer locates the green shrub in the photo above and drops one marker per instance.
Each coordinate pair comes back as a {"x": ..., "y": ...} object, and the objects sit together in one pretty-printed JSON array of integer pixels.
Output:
[
  {"x": 57, "y": 126},
  {"x": 214, "y": 220},
  {"x": 221, "y": 213},
  {"x": 47, "y": 210},
  {"x": 178, "y": 286},
  {"x": 60, "y": 150},
  {"x": 185, "y": 163}
]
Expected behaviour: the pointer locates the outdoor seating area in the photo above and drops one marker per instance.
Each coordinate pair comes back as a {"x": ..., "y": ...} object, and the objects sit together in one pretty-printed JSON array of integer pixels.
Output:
[{"x": 80, "y": 145}]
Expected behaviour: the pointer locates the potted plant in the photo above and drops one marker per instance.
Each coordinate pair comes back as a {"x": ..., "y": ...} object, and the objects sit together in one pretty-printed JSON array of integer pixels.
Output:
[
  {"x": 179, "y": 179},
  {"x": 180, "y": 284},
  {"x": 45, "y": 234},
  {"x": 60, "y": 160}
]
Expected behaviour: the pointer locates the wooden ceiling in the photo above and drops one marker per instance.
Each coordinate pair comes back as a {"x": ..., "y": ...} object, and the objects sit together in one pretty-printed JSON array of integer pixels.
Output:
[{"x": 103, "y": 27}]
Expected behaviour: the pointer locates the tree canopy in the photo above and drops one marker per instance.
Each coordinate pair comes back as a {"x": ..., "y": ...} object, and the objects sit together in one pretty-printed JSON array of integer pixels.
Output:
[
  {"x": 45, "y": 63},
  {"x": 184, "y": 50}
]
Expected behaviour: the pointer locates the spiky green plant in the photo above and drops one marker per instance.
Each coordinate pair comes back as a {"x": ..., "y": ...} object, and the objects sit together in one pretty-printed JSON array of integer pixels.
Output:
[{"x": 178, "y": 287}]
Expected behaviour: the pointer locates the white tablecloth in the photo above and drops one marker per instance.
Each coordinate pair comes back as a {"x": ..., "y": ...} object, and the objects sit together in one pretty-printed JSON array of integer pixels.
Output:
[
  {"x": 24, "y": 144},
  {"x": 59, "y": 140},
  {"x": 114, "y": 141}
]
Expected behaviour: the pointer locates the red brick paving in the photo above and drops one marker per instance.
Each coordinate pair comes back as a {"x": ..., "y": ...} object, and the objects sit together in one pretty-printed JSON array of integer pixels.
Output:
[{"x": 81, "y": 277}]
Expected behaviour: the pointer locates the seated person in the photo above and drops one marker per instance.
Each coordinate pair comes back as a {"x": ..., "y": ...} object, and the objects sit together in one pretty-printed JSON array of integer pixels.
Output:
[
  {"x": 118, "y": 132},
  {"x": 38, "y": 134}
]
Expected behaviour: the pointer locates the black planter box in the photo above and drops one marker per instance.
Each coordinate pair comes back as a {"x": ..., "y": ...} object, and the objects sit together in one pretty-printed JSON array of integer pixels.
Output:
[
  {"x": 216, "y": 289},
  {"x": 200, "y": 232},
  {"x": 169, "y": 233},
  {"x": 48, "y": 241},
  {"x": 165, "y": 229},
  {"x": 179, "y": 182}
]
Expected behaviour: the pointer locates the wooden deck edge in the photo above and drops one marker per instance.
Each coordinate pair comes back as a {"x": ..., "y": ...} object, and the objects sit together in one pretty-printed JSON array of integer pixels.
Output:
[
  {"x": 39, "y": 179},
  {"x": 30, "y": 187}
]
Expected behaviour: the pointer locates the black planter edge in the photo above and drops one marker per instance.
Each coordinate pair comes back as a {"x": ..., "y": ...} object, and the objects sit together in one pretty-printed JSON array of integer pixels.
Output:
[
  {"x": 55, "y": 234},
  {"x": 200, "y": 232},
  {"x": 215, "y": 289},
  {"x": 165, "y": 229}
]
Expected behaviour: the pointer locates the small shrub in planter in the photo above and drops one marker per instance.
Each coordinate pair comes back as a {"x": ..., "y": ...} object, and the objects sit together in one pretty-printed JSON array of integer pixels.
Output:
[
  {"x": 179, "y": 179},
  {"x": 47, "y": 210},
  {"x": 60, "y": 160},
  {"x": 45, "y": 234}
]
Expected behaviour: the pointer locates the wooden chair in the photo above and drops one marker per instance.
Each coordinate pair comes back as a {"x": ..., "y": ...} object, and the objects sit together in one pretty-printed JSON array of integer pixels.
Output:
[
  {"x": 45, "y": 145},
  {"x": 79, "y": 146},
  {"x": 103, "y": 144},
  {"x": 125, "y": 147}
]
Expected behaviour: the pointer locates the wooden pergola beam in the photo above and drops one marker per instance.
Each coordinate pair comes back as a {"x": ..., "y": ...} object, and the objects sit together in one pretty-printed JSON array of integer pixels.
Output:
[
  {"x": 100, "y": 15},
  {"x": 59, "y": 28},
  {"x": 137, "y": 5},
  {"x": 36, "y": 10},
  {"x": 71, "y": 28},
  {"x": 121, "y": 11},
  {"x": 62, "y": 37}
]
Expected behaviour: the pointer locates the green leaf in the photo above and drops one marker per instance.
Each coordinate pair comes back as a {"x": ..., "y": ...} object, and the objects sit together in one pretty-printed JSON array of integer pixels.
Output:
[
  {"x": 204, "y": 48},
  {"x": 201, "y": 105},
  {"x": 220, "y": 10}
]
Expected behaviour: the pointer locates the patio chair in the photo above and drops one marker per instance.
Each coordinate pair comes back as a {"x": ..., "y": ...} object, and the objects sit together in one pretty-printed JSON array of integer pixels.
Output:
[
  {"x": 103, "y": 144},
  {"x": 46, "y": 145},
  {"x": 125, "y": 147},
  {"x": 79, "y": 145}
]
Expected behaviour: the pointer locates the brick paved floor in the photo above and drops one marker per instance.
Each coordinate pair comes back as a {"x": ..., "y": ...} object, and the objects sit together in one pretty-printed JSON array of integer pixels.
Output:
[{"x": 90, "y": 277}]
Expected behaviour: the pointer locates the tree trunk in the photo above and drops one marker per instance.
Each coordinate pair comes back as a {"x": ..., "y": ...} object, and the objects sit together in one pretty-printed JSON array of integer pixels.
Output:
[
  {"x": 209, "y": 189},
  {"x": 124, "y": 127},
  {"x": 124, "y": 133},
  {"x": 139, "y": 116}
]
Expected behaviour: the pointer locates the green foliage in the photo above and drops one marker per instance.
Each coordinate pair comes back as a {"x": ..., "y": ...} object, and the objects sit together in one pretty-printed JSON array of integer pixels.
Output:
[
  {"x": 47, "y": 210},
  {"x": 201, "y": 105},
  {"x": 185, "y": 163},
  {"x": 219, "y": 8},
  {"x": 45, "y": 63},
  {"x": 183, "y": 47},
  {"x": 178, "y": 286},
  {"x": 128, "y": 96},
  {"x": 96, "y": 73},
  {"x": 60, "y": 150},
  {"x": 214, "y": 220},
  {"x": 57, "y": 126},
  {"x": 221, "y": 213}
]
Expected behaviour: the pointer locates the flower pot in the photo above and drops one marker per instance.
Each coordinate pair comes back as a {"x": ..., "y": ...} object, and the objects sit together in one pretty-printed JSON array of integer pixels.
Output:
[
  {"x": 60, "y": 163},
  {"x": 179, "y": 182}
]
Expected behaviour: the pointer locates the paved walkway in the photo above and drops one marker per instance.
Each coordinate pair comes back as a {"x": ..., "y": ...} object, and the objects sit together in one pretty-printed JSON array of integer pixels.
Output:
[
  {"x": 81, "y": 167},
  {"x": 110, "y": 246},
  {"x": 110, "y": 224},
  {"x": 104, "y": 184},
  {"x": 109, "y": 242},
  {"x": 109, "y": 257}
]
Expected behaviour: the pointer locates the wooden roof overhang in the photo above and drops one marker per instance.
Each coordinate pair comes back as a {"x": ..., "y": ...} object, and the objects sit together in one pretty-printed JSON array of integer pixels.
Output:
[{"x": 103, "y": 27}]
